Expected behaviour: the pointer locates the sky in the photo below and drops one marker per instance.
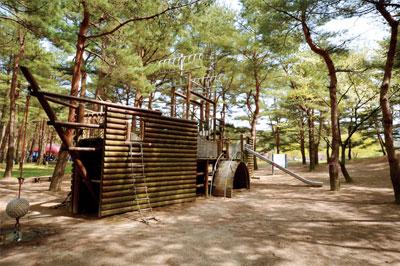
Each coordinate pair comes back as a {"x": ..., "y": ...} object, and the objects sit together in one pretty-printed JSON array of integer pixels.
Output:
[{"x": 364, "y": 32}]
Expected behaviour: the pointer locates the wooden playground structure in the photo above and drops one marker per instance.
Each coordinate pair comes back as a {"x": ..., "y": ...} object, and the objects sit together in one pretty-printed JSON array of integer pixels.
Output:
[{"x": 128, "y": 158}]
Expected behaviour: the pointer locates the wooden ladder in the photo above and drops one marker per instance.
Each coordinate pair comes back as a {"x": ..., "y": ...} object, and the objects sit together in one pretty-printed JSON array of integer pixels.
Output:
[{"x": 145, "y": 217}]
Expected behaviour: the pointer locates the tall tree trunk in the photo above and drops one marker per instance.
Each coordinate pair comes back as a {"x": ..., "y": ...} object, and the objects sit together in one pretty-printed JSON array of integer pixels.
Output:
[
  {"x": 378, "y": 134},
  {"x": 278, "y": 139},
  {"x": 349, "y": 156},
  {"x": 34, "y": 138},
  {"x": 99, "y": 89},
  {"x": 327, "y": 154},
  {"x": 342, "y": 161},
  {"x": 151, "y": 99},
  {"x": 58, "y": 174},
  {"x": 343, "y": 164},
  {"x": 3, "y": 114},
  {"x": 51, "y": 143},
  {"x": 255, "y": 165},
  {"x": 256, "y": 113},
  {"x": 19, "y": 136},
  {"x": 311, "y": 140},
  {"x": 318, "y": 140},
  {"x": 4, "y": 143},
  {"x": 387, "y": 116},
  {"x": 334, "y": 158},
  {"x": 13, "y": 93},
  {"x": 42, "y": 143},
  {"x": 61, "y": 164},
  {"x": 302, "y": 144}
]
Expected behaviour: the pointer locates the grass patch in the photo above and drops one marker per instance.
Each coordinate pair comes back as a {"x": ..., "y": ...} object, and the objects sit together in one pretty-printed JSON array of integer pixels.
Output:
[{"x": 31, "y": 169}]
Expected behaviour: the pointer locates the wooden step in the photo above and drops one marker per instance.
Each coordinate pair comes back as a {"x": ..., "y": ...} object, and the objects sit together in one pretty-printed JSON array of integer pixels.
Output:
[
  {"x": 84, "y": 149},
  {"x": 73, "y": 124}
]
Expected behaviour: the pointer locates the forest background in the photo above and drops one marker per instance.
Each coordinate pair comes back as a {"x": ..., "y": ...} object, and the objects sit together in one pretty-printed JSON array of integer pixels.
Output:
[{"x": 303, "y": 88}]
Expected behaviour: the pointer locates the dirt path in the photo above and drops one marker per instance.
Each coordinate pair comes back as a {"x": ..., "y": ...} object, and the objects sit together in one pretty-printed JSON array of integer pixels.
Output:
[{"x": 278, "y": 222}]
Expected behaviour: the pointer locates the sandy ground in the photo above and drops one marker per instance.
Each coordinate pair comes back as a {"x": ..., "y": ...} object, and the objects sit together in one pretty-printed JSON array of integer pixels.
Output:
[{"x": 279, "y": 221}]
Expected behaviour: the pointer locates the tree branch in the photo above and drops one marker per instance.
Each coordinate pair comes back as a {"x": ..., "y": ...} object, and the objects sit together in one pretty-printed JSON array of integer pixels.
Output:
[{"x": 139, "y": 19}]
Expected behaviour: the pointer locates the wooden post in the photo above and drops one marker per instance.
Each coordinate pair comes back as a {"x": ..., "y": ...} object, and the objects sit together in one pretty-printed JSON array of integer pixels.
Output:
[
  {"x": 128, "y": 131},
  {"x": 66, "y": 141},
  {"x": 188, "y": 95},
  {"x": 201, "y": 115},
  {"x": 77, "y": 176},
  {"x": 142, "y": 128},
  {"x": 228, "y": 142},
  {"x": 207, "y": 118},
  {"x": 215, "y": 116},
  {"x": 206, "y": 178},
  {"x": 219, "y": 147},
  {"x": 173, "y": 101}
]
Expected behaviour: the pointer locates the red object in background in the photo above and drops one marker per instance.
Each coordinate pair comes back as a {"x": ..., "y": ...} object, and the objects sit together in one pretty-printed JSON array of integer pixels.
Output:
[{"x": 55, "y": 148}]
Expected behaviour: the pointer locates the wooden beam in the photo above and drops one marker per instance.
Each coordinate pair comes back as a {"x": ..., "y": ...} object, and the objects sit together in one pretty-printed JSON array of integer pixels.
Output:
[
  {"x": 82, "y": 99},
  {"x": 78, "y": 149},
  {"x": 50, "y": 99},
  {"x": 73, "y": 124},
  {"x": 188, "y": 95},
  {"x": 215, "y": 116},
  {"x": 202, "y": 97},
  {"x": 173, "y": 102},
  {"x": 66, "y": 141},
  {"x": 184, "y": 96}
]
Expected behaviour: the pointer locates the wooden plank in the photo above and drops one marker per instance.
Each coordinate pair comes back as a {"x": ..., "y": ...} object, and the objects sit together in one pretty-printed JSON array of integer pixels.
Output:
[
  {"x": 171, "y": 132},
  {"x": 182, "y": 123},
  {"x": 133, "y": 202},
  {"x": 115, "y": 120},
  {"x": 50, "y": 99},
  {"x": 115, "y": 137},
  {"x": 148, "y": 170},
  {"x": 149, "y": 154},
  {"x": 170, "y": 127},
  {"x": 146, "y": 165},
  {"x": 154, "y": 159},
  {"x": 149, "y": 185},
  {"x": 109, "y": 142},
  {"x": 151, "y": 195},
  {"x": 169, "y": 141},
  {"x": 104, "y": 103},
  {"x": 116, "y": 126},
  {"x": 129, "y": 180},
  {"x": 118, "y": 115},
  {"x": 162, "y": 118},
  {"x": 150, "y": 189},
  {"x": 203, "y": 97},
  {"x": 73, "y": 124},
  {"x": 169, "y": 136},
  {"x": 148, "y": 175},
  {"x": 189, "y": 149},
  {"x": 83, "y": 149},
  {"x": 115, "y": 131},
  {"x": 154, "y": 204}
]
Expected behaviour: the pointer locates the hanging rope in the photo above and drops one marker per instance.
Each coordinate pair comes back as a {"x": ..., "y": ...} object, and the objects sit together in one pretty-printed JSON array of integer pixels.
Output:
[
  {"x": 23, "y": 147},
  {"x": 17, "y": 208}
]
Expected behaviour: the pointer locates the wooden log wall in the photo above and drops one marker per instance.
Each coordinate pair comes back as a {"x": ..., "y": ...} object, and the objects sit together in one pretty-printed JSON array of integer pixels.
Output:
[{"x": 170, "y": 161}]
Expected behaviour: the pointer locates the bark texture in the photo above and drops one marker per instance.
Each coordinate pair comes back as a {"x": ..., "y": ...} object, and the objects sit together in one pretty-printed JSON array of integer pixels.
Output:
[
  {"x": 334, "y": 157},
  {"x": 387, "y": 116},
  {"x": 13, "y": 93}
]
